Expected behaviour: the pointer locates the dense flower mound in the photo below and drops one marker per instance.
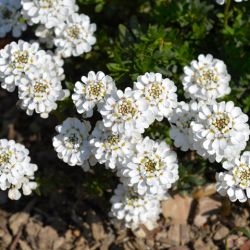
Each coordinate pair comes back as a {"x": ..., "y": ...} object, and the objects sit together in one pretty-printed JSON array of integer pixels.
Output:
[
  {"x": 152, "y": 169},
  {"x": 75, "y": 36},
  {"x": 206, "y": 79},
  {"x": 134, "y": 209},
  {"x": 47, "y": 12},
  {"x": 235, "y": 182},
  {"x": 147, "y": 168},
  {"x": 220, "y": 131},
  {"x": 10, "y": 18},
  {"x": 71, "y": 143},
  {"x": 158, "y": 93},
  {"x": 92, "y": 91},
  {"x": 124, "y": 113},
  {"x": 16, "y": 171}
]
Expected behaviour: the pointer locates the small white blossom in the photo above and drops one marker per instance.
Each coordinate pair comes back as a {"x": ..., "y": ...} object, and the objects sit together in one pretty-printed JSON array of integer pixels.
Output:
[
  {"x": 75, "y": 35},
  {"x": 109, "y": 149},
  {"x": 39, "y": 91},
  {"x": 235, "y": 182},
  {"x": 206, "y": 79},
  {"x": 10, "y": 15},
  {"x": 50, "y": 13},
  {"x": 16, "y": 59},
  {"x": 123, "y": 113},
  {"x": 135, "y": 210},
  {"x": 71, "y": 144},
  {"x": 220, "y": 131},
  {"x": 93, "y": 90},
  {"x": 16, "y": 171},
  {"x": 159, "y": 94},
  {"x": 180, "y": 121},
  {"x": 152, "y": 169}
]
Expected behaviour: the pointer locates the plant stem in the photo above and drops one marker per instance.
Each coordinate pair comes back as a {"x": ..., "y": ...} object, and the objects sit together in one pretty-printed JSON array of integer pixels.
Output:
[{"x": 226, "y": 12}]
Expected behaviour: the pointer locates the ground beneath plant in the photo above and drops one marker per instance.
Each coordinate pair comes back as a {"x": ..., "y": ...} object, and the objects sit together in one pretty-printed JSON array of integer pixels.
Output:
[
  {"x": 70, "y": 209},
  {"x": 187, "y": 223}
]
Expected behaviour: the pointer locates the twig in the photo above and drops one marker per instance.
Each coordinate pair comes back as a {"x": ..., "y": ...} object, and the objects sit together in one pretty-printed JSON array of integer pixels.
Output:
[
  {"x": 18, "y": 235},
  {"x": 226, "y": 12}
]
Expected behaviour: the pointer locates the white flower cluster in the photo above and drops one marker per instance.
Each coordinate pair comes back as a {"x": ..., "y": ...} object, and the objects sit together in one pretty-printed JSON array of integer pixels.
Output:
[
  {"x": 10, "y": 18},
  {"x": 220, "y": 131},
  {"x": 217, "y": 131},
  {"x": 206, "y": 79},
  {"x": 72, "y": 142},
  {"x": 36, "y": 73},
  {"x": 60, "y": 25},
  {"x": 146, "y": 168},
  {"x": 135, "y": 209},
  {"x": 16, "y": 171},
  {"x": 235, "y": 182}
]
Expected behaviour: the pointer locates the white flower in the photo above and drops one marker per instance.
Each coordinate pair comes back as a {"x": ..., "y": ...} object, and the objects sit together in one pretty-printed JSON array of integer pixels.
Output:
[
  {"x": 221, "y": 2},
  {"x": 45, "y": 36},
  {"x": 10, "y": 14},
  {"x": 152, "y": 169},
  {"x": 16, "y": 171},
  {"x": 39, "y": 91},
  {"x": 50, "y": 13},
  {"x": 93, "y": 90},
  {"x": 180, "y": 121},
  {"x": 109, "y": 149},
  {"x": 206, "y": 79},
  {"x": 71, "y": 144},
  {"x": 75, "y": 36},
  {"x": 123, "y": 113},
  {"x": 235, "y": 182},
  {"x": 220, "y": 131},
  {"x": 159, "y": 93},
  {"x": 16, "y": 59},
  {"x": 134, "y": 209}
]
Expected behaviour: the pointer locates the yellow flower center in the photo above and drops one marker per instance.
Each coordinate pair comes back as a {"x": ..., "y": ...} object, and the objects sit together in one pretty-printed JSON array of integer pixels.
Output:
[
  {"x": 126, "y": 108},
  {"x": 5, "y": 157},
  {"x": 74, "y": 32},
  {"x": 155, "y": 90},
  {"x": 244, "y": 175},
  {"x": 96, "y": 89},
  {"x": 150, "y": 165},
  {"x": 206, "y": 78},
  {"x": 21, "y": 57},
  {"x": 47, "y": 4},
  {"x": 113, "y": 140},
  {"x": 221, "y": 122},
  {"x": 40, "y": 88}
]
